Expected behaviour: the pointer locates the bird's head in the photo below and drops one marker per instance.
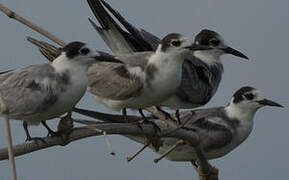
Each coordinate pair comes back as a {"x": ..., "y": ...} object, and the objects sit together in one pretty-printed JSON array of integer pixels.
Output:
[
  {"x": 79, "y": 53},
  {"x": 216, "y": 46},
  {"x": 177, "y": 43},
  {"x": 250, "y": 99}
]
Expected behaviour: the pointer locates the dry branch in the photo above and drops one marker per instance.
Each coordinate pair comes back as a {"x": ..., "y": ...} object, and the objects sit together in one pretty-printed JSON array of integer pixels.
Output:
[
  {"x": 36, "y": 28},
  {"x": 84, "y": 132}
]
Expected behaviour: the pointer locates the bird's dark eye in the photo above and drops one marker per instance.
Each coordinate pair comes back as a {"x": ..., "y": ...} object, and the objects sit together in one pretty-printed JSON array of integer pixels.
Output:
[
  {"x": 249, "y": 96},
  {"x": 214, "y": 42},
  {"x": 176, "y": 43},
  {"x": 84, "y": 51}
]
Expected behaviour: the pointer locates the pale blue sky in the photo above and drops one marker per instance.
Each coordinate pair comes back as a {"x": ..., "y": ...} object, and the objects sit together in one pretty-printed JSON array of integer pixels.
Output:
[{"x": 258, "y": 28}]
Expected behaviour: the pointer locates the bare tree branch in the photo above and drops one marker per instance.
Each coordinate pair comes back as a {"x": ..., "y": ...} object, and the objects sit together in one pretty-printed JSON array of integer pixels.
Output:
[
  {"x": 84, "y": 132},
  {"x": 205, "y": 170},
  {"x": 36, "y": 28}
]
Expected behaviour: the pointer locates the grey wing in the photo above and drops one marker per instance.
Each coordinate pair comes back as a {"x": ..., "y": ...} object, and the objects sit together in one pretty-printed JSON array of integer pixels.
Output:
[
  {"x": 24, "y": 91},
  {"x": 119, "y": 40},
  {"x": 112, "y": 81},
  {"x": 195, "y": 86},
  {"x": 138, "y": 59},
  {"x": 214, "y": 132},
  {"x": 4, "y": 75}
]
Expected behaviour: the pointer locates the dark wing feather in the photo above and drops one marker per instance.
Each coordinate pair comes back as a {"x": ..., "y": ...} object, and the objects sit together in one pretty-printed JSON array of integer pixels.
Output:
[
  {"x": 198, "y": 83},
  {"x": 117, "y": 39},
  {"x": 214, "y": 131}
]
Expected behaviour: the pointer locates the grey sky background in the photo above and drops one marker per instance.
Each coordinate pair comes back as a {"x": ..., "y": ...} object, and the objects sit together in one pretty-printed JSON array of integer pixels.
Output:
[{"x": 258, "y": 28}]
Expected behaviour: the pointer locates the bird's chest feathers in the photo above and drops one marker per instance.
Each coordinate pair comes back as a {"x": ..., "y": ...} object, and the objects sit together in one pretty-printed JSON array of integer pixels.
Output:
[
  {"x": 164, "y": 75},
  {"x": 243, "y": 131},
  {"x": 75, "y": 90}
]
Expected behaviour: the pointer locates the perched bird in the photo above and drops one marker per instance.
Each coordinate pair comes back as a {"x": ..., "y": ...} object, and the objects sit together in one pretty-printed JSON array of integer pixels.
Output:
[
  {"x": 145, "y": 79},
  {"x": 41, "y": 92},
  {"x": 202, "y": 70},
  {"x": 220, "y": 129}
]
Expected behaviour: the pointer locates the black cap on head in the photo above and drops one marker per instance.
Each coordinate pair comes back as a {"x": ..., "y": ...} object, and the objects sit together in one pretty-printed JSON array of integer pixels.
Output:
[
  {"x": 238, "y": 95},
  {"x": 72, "y": 49},
  {"x": 205, "y": 36}
]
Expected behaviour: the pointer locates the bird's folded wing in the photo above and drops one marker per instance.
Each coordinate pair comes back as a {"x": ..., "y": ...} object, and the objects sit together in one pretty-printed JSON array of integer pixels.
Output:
[
  {"x": 113, "y": 81},
  {"x": 138, "y": 59},
  {"x": 28, "y": 90},
  {"x": 4, "y": 75},
  {"x": 195, "y": 85},
  {"x": 214, "y": 131}
]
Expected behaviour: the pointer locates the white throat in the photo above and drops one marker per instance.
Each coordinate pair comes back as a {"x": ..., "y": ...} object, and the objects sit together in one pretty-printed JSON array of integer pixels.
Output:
[
  {"x": 209, "y": 57},
  {"x": 233, "y": 111},
  {"x": 63, "y": 64}
]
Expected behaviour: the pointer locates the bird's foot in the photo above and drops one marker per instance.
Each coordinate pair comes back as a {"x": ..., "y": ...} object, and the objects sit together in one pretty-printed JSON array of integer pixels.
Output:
[
  {"x": 157, "y": 129},
  {"x": 53, "y": 133},
  {"x": 177, "y": 114},
  {"x": 166, "y": 114},
  {"x": 146, "y": 121}
]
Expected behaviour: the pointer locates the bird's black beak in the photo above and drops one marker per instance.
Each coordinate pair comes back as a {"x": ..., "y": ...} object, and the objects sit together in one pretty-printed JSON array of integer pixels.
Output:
[
  {"x": 196, "y": 47},
  {"x": 105, "y": 58},
  {"x": 234, "y": 52},
  {"x": 267, "y": 102}
]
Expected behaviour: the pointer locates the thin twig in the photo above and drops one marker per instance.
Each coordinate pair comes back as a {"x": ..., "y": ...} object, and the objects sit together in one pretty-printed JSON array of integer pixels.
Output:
[
  {"x": 147, "y": 143},
  {"x": 10, "y": 147},
  {"x": 36, "y": 28},
  {"x": 176, "y": 145}
]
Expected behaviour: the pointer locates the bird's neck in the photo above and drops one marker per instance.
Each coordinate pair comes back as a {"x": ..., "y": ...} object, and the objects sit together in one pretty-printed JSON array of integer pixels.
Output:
[
  {"x": 245, "y": 122},
  {"x": 161, "y": 59},
  {"x": 210, "y": 57},
  {"x": 242, "y": 114},
  {"x": 62, "y": 64}
]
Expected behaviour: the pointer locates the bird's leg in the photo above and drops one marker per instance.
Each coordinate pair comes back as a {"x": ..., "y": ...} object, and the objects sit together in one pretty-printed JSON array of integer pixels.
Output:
[
  {"x": 50, "y": 131},
  {"x": 143, "y": 116},
  {"x": 145, "y": 120},
  {"x": 167, "y": 115},
  {"x": 28, "y": 137},
  {"x": 146, "y": 144},
  {"x": 194, "y": 164},
  {"x": 176, "y": 145},
  {"x": 25, "y": 126},
  {"x": 124, "y": 115},
  {"x": 178, "y": 116},
  {"x": 149, "y": 140}
]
